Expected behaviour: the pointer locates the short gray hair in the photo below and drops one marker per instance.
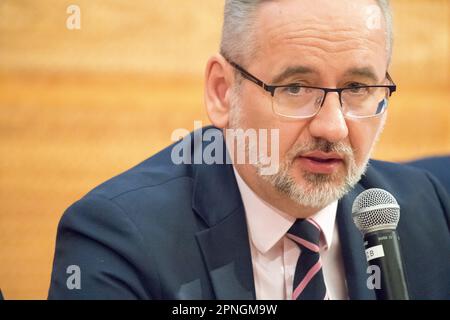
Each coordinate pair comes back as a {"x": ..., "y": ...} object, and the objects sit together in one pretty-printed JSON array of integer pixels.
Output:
[{"x": 237, "y": 31}]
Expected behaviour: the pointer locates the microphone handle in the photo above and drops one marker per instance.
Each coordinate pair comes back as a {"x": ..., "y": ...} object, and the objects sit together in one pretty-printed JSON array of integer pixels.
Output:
[{"x": 383, "y": 250}]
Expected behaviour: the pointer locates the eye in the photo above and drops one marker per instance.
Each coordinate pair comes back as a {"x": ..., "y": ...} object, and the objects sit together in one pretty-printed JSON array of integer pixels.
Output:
[
  {"x": 355, "y": 84},
  {"x": 295, "y": 90},
  {"x": 357, "y": 88}
]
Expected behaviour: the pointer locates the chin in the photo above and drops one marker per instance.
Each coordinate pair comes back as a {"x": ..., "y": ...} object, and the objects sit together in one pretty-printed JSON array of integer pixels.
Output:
[{"x": 304, "y": 177}]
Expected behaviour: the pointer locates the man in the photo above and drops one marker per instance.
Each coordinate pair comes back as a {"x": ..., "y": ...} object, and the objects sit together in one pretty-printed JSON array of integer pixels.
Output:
[{"x": 316, "y": 72}]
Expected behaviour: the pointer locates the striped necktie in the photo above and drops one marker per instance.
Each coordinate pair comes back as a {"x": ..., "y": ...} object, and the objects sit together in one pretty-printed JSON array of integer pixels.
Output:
[{"x": 308, "y": 283}]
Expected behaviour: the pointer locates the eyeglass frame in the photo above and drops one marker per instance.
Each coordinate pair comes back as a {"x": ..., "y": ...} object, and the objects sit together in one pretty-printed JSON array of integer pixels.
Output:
[{"x": 271, "y": 89}]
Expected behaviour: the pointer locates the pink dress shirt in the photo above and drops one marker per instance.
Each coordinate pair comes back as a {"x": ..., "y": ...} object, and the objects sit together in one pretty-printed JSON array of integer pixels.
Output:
[{"x": 274, "y": 255}]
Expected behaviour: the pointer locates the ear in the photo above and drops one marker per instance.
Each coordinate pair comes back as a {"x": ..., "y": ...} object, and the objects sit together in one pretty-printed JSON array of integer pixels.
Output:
[{"x": 219, "y": 79}]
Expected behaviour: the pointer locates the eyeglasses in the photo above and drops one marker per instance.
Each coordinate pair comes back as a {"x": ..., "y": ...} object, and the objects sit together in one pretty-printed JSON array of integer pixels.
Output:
[{"x": 301, "y": 102}]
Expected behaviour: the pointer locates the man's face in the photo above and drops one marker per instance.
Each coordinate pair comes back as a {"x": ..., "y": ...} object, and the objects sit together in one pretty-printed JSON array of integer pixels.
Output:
[{"x": 341, "y": 43}]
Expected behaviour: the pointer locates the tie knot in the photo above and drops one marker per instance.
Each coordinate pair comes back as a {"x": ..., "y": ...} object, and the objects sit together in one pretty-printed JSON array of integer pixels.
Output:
[{"x": 306, "y": 233}]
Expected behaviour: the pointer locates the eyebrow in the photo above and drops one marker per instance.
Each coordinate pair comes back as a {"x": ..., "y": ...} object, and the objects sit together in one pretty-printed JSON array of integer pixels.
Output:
[
  {"x": 366, "y": 72},
  {"x": 291, "y": 71}
]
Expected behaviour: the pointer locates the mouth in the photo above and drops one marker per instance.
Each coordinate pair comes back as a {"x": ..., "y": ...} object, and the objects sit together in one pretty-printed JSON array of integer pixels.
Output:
[{"x": 320, "y": 162}]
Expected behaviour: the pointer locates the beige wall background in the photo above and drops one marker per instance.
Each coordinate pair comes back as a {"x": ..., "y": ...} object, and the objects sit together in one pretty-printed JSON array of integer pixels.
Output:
[{"x": 79, "y": 106}]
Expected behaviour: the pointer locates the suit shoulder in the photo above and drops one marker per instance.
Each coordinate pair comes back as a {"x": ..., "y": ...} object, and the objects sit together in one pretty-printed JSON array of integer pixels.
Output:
[
  {"x": 154, "y": 172},
  {"x": 396, "y": 177},
  {"x": 395, "y": 170},
  {"x": 401, "y": 179}
]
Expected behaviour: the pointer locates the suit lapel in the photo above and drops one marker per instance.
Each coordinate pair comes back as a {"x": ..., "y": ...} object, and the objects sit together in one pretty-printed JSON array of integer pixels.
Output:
[
  {"x": 224, "y": 243},
  {"x": 353, "y": 253},
  {"x": 227, "y": 256}
]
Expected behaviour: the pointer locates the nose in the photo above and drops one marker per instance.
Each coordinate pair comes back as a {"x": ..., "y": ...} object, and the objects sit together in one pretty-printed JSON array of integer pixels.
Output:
[{"x": 329, "y": 123}]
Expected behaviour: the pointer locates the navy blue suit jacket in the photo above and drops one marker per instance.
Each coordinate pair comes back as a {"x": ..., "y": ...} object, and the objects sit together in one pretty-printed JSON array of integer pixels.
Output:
[
  {"x": 438, "y": 166},
  {"x": 166, "y": 231}
]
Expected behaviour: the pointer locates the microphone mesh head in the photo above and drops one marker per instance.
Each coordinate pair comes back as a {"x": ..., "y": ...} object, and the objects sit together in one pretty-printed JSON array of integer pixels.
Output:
[{"x": 375, "y": 209}]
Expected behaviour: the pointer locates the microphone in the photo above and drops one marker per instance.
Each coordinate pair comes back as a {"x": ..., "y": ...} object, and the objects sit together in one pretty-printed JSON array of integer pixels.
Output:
[{"x": 376, "y": 214}]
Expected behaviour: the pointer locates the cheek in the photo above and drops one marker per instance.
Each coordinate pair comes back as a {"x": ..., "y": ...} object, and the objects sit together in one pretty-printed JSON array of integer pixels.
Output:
[
  {"x": 291, "y": 132},
  {"x": 256, "y": 108},
  {"x": 257, "y": 114},
  {"x": 362, "y": 134}
]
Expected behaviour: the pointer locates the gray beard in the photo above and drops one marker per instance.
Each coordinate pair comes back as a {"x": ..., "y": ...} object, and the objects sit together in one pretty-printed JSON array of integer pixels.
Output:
[{"x": 317, "y": 190}]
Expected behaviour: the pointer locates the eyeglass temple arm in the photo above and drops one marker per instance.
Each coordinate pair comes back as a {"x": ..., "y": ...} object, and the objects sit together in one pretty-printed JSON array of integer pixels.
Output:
[
  {"x": 248, "y": 75},
  {"x": 393, "y": 87}
]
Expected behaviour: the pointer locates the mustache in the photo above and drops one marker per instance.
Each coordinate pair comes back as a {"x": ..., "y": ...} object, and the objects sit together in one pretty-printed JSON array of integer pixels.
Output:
[{"x": 318, "y": 144}]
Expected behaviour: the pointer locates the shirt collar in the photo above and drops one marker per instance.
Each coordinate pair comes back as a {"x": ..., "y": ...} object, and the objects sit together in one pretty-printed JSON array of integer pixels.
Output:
[{"x": 267, "y": 225}]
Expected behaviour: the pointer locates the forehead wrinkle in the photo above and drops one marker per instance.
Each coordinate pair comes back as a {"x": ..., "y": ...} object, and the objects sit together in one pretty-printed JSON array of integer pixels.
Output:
[
  {"x": 330, "y": 47},
  {"x": 331, "y": 41},
  {"x": 321, "y": 30}
]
